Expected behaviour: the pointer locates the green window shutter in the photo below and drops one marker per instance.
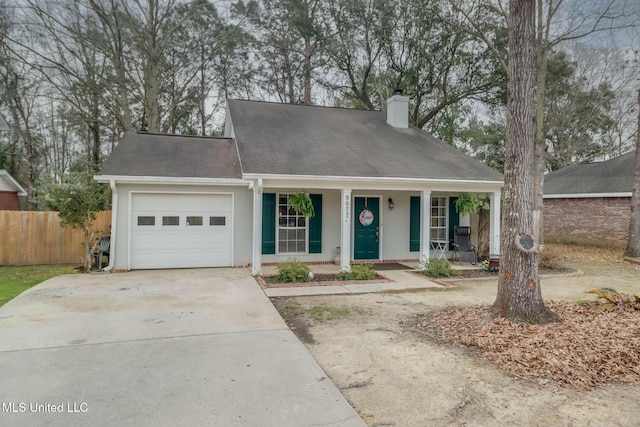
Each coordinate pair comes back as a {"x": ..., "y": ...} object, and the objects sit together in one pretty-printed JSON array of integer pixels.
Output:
[
  {"x": 269, "y": 223},
  {"x": 414, "y": 225},
  {"x": 454, "y": 217},
  {"x": 315, "y": 225}
]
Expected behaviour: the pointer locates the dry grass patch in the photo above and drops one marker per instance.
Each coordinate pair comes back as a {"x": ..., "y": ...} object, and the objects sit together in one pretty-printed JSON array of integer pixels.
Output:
[
  {"x": 593, "y": 346},
  {"x": 592, "y": 254}
]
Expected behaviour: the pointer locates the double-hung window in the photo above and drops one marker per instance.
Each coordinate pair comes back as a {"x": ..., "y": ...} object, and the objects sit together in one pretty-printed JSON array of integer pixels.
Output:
[
  {"x": 439, "y": 218},
  {"x": 292, "y": 228}
]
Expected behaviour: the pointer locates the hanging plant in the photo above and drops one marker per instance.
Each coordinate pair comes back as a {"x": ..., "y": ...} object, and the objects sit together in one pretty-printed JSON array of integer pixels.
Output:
[
  {"x": 302, "y": 204},
  {"x": 466, "y": 204}
]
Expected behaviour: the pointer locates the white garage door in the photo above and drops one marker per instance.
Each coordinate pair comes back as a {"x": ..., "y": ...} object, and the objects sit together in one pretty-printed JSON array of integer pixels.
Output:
[{"x": 181, "y": 230}]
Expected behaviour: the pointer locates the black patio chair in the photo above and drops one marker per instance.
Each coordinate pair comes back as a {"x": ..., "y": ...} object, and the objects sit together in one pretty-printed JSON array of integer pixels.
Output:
[
  {"x": 104, "y": 245},
  {"x": 462, "y": 245}
]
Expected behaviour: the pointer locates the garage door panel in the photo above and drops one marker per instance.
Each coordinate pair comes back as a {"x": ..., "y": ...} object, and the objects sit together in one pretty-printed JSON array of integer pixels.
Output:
[
  {"x": 182, "y": 202},
  {"x": 181, "y": 246}
]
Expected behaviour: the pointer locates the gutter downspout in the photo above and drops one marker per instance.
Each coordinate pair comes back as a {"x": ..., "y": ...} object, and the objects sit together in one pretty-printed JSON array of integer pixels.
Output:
[{"x": 114, "y": 215}]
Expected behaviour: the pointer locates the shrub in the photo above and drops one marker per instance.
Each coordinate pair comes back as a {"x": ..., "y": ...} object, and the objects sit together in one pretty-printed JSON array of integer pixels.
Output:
[
  {"x": 293, "y": 271},
  {"x": 342, "y": 275},
  {"x": 358, "y": 272},
  {"x": 362, "y": 272},
  {"x": 439, "y": 268},
  {"x": 77, "y": 199}
]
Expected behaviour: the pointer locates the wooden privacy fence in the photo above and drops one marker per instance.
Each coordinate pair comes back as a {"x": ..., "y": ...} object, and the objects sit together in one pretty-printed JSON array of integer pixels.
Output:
[{"x": 29, "y": 238}]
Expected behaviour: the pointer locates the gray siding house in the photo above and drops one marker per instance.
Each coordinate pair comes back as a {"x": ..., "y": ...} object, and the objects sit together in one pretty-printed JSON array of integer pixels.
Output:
[{"x": 382, "y": 190}]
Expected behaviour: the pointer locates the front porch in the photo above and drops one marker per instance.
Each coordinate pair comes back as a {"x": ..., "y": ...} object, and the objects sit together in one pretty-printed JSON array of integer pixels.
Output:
[{"x": 363, "y": 224}]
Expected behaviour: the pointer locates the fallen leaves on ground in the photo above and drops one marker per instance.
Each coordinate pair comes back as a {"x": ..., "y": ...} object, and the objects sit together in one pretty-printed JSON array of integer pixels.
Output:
[{"x": 592, "y": 346}]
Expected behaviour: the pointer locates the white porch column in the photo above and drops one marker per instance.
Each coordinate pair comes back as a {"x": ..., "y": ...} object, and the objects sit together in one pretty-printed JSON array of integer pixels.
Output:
[
  {"x": 425, "y": 227},
  {"x": 256, "y": 259},
  {"x": 345, "y": 235},
  {"x": 494, "y": 226}
]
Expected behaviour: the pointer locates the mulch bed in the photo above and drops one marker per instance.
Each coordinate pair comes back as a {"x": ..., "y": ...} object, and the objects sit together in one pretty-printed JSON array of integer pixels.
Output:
[
  {"x": 593, "y": 345},
  {"x": 330, "y": 279},
  {"x": 318, "y": 280}
]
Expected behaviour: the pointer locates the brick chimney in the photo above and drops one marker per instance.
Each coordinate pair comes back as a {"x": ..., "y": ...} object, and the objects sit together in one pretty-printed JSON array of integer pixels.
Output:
[{"x": 398, "y": 110}]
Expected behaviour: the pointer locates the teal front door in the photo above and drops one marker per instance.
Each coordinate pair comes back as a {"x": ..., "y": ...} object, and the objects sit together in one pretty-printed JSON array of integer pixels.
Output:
[
  {"x": 454, "y": 218},
  {"x": 366, "y": 229}
]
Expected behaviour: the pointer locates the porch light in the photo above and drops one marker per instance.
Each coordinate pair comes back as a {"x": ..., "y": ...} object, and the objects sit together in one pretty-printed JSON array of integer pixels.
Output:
[{"x": 390, "y": 204}]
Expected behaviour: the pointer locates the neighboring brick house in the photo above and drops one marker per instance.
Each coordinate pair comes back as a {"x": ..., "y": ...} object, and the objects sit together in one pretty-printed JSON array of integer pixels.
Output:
[
  {"x": 10, "y": 191},
  {"x": 590, "y": 201}
]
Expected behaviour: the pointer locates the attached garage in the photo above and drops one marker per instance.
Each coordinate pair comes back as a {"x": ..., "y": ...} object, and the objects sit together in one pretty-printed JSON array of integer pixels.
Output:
[{"x": 170, "y": 230}]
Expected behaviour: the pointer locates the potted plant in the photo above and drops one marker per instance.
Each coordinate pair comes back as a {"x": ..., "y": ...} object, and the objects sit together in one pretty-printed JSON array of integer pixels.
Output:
[
  {"x": 466, "y": 204},
  {"x": 301, "y": 202}
]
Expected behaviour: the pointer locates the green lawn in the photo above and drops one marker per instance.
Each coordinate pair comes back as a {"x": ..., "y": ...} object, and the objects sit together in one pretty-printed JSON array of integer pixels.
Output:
[{"x": 15, "y": 280}]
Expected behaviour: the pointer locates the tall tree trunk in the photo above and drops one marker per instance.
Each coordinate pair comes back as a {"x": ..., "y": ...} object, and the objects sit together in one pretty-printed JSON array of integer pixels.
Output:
[
  {"x": 94, "y": 127},
  {"x": 308, "y": 51},
  {"x": 151, "y": 68},
  {"x": 112, "y": 27},
  {"x": 21, "y": 117},
  {"x": 519, "y": 298},
  {"x": 151, "y": 93},
  {"x": 290, "y": 81},
  {"x": 203, "y": 95},
  {"x": 633, "y": 245},
  {"x": 540, "y": 148}
]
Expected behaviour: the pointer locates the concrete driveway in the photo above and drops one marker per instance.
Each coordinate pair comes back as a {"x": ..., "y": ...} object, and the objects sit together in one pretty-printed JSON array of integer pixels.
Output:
[{"x": 158, "y": 348}]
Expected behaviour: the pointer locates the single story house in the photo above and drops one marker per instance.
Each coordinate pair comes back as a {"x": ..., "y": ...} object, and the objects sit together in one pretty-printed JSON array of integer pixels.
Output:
[
  {"x": 10, "y": 192},
  {"x": 382, "y": 190},
  {"x": 590, "y": 201}
]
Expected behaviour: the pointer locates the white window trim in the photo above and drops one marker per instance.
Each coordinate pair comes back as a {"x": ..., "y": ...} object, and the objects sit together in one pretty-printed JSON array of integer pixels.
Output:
[
  {"x": 446, "y": 217},
  {"x": 306, "y": 228}
]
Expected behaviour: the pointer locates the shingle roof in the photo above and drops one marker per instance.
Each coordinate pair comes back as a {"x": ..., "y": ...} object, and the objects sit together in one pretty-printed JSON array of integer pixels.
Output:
[
  {"x": 611, "y": 176},
  {"x": 141, "y": 154},
  {"x": 290, "y": 139}
]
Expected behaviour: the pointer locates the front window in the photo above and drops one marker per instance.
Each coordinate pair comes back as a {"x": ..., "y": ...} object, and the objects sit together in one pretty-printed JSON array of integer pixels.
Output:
[
  {"x": 292, "y": 228},
  {"x": 438, "y": 218}
]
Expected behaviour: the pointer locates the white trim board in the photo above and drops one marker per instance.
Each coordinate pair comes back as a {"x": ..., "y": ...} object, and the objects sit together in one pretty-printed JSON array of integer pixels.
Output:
[
  {"x": 585, "y": 195},
  {"x": 13, "y": 183}
]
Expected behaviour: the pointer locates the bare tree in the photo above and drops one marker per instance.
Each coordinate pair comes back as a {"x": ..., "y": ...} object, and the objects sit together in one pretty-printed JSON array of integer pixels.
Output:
[
  {"x": 633, "y": 244},
  {"x": 65, "y": 53},
  {"x": 577, "y": 23},
  {"x": 20, "y": 89},
  {"x": 557, "y": 22},
  {"x": 110, "y": 38},
  {"x": 288, "y": 38},
  {"x": 201, "y": 68},
  {"x": 519, "y": 298},
  {"x": 356, "y": 48},
  {"x": 617, "y": 68}
]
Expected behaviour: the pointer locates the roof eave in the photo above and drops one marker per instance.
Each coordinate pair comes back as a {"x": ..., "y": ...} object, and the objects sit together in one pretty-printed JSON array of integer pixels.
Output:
[
  {"x": 316, "y": 181},
  {"x": 19, "y": 188},
  {"x": 128, "y": 179}
]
